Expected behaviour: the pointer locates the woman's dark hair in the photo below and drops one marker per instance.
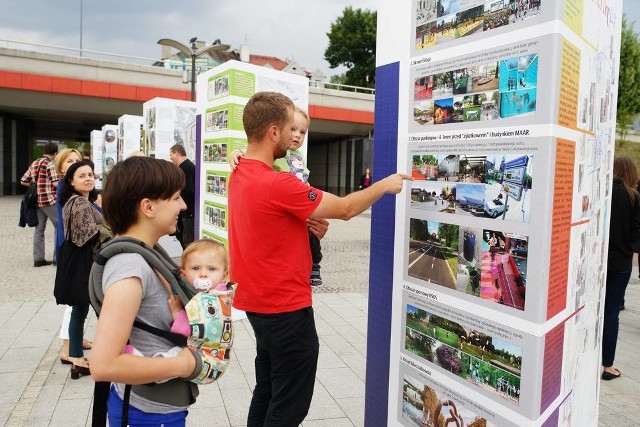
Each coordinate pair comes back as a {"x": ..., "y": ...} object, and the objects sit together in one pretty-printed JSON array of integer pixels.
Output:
[
  {"x": 624, "y": 168},
  {"x": 68, "y": 190},
  {"x": 132, "y": 180}
]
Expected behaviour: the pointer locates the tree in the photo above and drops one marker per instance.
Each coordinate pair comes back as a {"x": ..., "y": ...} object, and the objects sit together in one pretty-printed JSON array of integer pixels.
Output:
[
  {"x": 352, "y": 43},
  {"x": 628, "y": 88}
]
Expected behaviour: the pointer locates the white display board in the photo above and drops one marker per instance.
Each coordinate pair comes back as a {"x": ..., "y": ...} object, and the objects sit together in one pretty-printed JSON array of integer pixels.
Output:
[
  {"x": 97, "y": 146},
  {"x": 110, "y": 148},
  {"x": 130, "y": 134},
  {"x": 169, "y": 122},
  {"x": 506, "y": 122},
  {"x": 222, "y": 94}
]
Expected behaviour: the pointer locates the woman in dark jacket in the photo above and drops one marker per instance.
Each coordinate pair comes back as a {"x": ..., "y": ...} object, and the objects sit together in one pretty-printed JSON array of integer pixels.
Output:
[
  {"x": 81, "y": 218},
  {"x": 624, "y": 230}
]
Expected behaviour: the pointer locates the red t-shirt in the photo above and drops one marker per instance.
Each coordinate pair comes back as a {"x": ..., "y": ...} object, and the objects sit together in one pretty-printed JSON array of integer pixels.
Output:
[{"x": 269, "y": 251}]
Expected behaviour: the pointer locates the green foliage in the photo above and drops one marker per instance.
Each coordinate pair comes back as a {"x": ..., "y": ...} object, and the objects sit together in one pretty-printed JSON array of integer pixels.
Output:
[
  {"x": 429, "y": 159},
  {"x": 418, "y": 230},
  {"x": 352, "y": 43},
  {"x": 450, "y": 233},
  {"x": 628, "y": 87},
  {"x": 340, "y": 79}
]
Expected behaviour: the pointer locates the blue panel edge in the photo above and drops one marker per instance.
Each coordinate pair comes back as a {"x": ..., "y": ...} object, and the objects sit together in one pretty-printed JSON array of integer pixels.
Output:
[
  {"x": 385, "y": 155},
  {"x": 198, "y": 162}
]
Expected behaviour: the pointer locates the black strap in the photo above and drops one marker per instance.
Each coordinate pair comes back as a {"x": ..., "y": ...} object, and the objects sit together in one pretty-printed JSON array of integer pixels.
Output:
[
  {"x": 175, "y": 339},
  {"x": 125, "y": 405},
  {"x": 100, "y": 398},
  {"x": 38, "y": 170}
]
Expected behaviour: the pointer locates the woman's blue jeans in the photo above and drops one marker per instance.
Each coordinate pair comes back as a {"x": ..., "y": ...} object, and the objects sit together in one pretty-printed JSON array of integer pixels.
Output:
[
  {"x": 617, "y": 281},
  {"x": 76, "y": 329}
]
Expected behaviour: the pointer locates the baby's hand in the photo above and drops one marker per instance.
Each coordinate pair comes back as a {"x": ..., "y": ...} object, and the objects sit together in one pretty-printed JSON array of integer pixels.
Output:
[
  {"x": 175, "y": 305},
  {"x": 234, "y": 159}
]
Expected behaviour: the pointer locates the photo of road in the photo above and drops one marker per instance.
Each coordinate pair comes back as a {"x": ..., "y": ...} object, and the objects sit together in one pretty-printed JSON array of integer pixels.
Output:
[{"x": 433, "y": 252}]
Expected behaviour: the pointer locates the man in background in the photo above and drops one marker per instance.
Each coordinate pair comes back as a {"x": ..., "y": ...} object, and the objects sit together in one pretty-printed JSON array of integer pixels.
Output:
[
  {"x": 42, "y": 173},
  {"x": 179, "y": 158}
]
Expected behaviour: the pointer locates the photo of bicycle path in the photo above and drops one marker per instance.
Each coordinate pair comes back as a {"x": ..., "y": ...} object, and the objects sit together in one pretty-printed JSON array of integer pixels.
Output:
[{"x": 430, "y": 261}]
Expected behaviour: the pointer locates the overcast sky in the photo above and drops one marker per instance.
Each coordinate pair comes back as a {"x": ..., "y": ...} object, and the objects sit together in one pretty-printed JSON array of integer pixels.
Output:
[{"x": 282, "y": 28}]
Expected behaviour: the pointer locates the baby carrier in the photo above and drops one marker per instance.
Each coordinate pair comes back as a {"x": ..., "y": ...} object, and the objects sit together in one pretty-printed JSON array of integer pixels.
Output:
[{"x": 209, "y": 316}]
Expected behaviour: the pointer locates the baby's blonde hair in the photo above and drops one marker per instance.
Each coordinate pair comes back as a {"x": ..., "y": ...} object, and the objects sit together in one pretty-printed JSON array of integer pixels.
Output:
[
  {"x": 297, "y": 109},
  {"x": 203, "y": 245}
]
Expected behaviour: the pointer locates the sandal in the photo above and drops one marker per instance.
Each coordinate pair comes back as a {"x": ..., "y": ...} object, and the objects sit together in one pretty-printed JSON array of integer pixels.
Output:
[
  {"x": 86, "y": 345},
  {"x": 64, "y": 359}
]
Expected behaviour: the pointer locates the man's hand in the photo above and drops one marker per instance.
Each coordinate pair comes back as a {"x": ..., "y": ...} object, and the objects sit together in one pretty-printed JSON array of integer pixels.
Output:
[
  {"x": 234, "y": 158},
  {"x": 318, "y": 226},
  {"x": 393, "y": 183}
]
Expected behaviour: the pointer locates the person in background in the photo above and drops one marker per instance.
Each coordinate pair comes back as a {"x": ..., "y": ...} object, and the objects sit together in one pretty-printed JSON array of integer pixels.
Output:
[
  {"x": 81, "y": 219},
  {"x": 43, "y": 174},
  {"x": 62, "y": 161},
  {"x": 366, "y": 180},
  {"x": 624, "y": 232},
  {"x": 179, "y": 158},
  {"x": 269, "y": 217}
]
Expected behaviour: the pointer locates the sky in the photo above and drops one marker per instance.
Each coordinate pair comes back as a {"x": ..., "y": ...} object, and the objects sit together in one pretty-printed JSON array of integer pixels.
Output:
[{"x": 282, "y": 28}]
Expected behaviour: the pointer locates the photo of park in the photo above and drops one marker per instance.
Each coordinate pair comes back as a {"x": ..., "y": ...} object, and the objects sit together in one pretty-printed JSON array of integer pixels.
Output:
[
  {"x": 424, "y": 406},
  {"x": 441, "y": 21},
  {"x": 433, "y": 252},
  {"x": 491, "y": 364},
  {"x": 423, "y": 112}
]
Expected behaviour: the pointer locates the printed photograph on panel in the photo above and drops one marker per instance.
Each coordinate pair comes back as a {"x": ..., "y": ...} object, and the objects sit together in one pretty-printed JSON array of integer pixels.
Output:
[
  {"x": 441, "y": 21},
  {"x": 427, "y": 406},
  {"x": 487, "y": 362}
]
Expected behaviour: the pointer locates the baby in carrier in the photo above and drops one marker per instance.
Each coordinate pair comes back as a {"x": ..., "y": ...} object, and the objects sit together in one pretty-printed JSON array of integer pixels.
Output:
[{"x": 206, "y": 319}]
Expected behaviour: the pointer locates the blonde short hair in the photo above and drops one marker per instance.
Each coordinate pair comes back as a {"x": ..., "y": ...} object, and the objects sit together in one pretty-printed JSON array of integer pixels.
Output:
[
  {"x": 61, "y": 157},
  {"x": 204, "y": 245}
]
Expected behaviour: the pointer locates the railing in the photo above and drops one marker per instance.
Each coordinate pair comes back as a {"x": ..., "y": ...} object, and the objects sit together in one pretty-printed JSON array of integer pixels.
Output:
[{"x": 139, "y": 60}]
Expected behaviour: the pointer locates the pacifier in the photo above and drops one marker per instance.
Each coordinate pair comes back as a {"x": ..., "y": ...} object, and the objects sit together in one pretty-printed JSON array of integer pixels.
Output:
[{"x": 202, "y": 284}]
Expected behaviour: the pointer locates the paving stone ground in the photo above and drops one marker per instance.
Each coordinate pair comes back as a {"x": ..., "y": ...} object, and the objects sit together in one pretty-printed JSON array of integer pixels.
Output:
[{"x": 36, "y": 390}]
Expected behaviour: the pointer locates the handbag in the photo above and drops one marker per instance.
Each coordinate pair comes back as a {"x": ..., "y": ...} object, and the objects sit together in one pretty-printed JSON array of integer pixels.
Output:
[
  {"x": 31, "y": 195},
  {"x": 72, "y": 273}
]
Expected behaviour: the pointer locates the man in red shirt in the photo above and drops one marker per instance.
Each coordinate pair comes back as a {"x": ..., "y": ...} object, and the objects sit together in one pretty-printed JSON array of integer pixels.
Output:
[
  {"x": 42, "y": 173},
  {"x": 270, "y": 259}
]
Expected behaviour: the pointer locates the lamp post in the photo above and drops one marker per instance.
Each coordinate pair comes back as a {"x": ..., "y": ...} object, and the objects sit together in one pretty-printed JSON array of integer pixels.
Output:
[{"x": 194, "y": 52}]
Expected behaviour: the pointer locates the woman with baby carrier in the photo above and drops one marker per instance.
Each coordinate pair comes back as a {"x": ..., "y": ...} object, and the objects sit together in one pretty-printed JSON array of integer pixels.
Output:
[{"x": 141, "y": 200}]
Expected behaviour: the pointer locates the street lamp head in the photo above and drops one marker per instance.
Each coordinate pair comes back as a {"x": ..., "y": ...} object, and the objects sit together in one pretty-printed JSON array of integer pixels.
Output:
[{"x": 193, "y": 39}]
